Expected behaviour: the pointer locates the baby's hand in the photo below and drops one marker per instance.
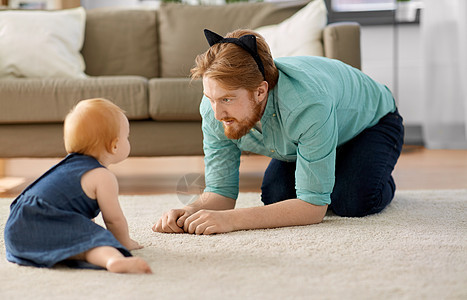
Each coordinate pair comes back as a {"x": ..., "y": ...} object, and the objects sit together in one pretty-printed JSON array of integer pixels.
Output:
[{"x": 133, "y": 245}]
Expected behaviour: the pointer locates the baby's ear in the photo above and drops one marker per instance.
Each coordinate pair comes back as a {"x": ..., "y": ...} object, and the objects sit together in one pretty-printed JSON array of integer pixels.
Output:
[{"x": 113, "y": 146}]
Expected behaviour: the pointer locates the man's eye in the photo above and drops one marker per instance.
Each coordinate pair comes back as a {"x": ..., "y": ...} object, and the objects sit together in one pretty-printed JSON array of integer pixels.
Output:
[{"x": 226, "y": 100}]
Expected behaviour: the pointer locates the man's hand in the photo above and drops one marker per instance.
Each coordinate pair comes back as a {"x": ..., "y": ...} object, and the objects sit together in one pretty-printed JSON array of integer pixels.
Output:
[
  {"x": 209, "y": 222},
  {"x": 172, "y": 221}
]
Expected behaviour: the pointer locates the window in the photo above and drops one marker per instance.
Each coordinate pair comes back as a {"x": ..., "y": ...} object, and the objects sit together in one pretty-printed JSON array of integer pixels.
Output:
[
  {"x": 362, "y": 5},
  {"x": 365, "y": 12},
  {"x": 373, "y": 12}
]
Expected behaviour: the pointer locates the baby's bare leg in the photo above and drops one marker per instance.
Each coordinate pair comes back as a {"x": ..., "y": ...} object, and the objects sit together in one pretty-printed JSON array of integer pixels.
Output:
[{"x": 114, "y": 261}]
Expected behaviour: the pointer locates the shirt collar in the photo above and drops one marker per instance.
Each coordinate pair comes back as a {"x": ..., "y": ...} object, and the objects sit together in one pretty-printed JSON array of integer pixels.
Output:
[{"x": 270, "y": 110}]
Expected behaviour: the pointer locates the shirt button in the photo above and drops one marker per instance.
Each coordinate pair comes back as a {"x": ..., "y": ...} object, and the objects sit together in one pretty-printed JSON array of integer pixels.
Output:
[
  {"x": 272, "y": 151},
  {"x": 252, "y": 129},
  {"x": 273, "y": 115}
]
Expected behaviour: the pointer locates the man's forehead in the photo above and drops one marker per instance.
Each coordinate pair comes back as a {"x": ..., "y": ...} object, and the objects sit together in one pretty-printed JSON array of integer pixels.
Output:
[
  {"x": 215, "y": 96},
  {"x": 213, "y": 90}
]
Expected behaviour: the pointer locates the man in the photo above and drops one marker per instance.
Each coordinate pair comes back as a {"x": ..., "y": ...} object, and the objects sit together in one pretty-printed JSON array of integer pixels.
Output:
[{"x": 334, "y": 136}]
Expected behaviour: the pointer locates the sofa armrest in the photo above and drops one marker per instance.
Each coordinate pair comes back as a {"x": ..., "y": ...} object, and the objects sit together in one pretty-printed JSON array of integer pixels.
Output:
[{"x": 341, "y": 41}]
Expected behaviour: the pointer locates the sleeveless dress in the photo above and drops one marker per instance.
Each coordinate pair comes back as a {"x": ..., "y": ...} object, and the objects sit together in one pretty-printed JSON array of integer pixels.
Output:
[{"x": 50, "y": 220}]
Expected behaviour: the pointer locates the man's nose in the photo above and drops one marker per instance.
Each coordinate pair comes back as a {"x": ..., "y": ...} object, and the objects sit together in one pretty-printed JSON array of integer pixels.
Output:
[{"x": 218, "y": 111}]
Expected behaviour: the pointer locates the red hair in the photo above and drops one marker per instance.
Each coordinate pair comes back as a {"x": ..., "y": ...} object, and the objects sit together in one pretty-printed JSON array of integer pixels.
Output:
[
  {"x": 91, "y": 126},
  {"x": 233, "y": 67}
]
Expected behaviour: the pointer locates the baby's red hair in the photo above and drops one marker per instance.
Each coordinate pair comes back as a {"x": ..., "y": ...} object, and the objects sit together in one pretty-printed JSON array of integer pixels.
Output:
[{"x": 92, "y": 126}]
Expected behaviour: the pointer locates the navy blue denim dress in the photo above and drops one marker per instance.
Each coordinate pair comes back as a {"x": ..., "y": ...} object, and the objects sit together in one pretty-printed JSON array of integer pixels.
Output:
[{"x": 51, "y": 220}]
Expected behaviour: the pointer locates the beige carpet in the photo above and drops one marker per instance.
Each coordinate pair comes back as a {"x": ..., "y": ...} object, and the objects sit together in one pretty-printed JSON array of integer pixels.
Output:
[{"x": 415, "y": 249}]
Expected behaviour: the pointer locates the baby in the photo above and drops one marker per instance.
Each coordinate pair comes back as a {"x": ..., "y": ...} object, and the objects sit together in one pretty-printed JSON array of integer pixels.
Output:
[{"x": 51, "y": 220}]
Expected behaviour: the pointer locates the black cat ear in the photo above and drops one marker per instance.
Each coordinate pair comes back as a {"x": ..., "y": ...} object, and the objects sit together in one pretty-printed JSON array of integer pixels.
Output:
[
  {"x": 249, "y": 41},
  {"x": 212, "y": 37}
]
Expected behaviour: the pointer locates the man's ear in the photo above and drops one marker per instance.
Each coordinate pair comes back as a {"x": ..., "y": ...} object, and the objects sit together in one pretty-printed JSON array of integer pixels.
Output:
[
  {"x": 113, "y": 146},
  {"x": 262, "y": 91}
]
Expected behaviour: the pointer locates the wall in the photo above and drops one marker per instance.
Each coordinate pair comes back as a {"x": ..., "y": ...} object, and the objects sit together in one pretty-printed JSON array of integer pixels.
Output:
[{"x": 392, "y": 56}]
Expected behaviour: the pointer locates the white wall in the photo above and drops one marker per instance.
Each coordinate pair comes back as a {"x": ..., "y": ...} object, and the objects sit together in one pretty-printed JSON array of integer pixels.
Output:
[{"x": 393, "y": 57}]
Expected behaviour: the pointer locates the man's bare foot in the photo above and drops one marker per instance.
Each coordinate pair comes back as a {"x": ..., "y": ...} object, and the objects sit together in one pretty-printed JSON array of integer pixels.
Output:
[{"x": 134, "y": 265}]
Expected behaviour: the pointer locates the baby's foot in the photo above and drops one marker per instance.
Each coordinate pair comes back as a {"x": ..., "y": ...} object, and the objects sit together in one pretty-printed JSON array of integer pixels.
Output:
[{"x": 128, "y": 265}]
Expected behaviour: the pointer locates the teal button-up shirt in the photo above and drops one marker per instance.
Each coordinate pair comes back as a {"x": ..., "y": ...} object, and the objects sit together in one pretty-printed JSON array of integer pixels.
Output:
[{"x": 317, "y": 105}]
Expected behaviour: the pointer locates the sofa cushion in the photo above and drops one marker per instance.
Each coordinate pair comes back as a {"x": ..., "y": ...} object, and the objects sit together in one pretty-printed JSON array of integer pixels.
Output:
[
  {"x": 299, "y": 35},
  {"x": 36, "y": 100},
  {"x": 121, "y": 42},
  {"x": 175, "y": 99},
  {"x": 147, "y": 138},
  {"x": 181, "y": 28},
  {"x": 39, "y": 44}
]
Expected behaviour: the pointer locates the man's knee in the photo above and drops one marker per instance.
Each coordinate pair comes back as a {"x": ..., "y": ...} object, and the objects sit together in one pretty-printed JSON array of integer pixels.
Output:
[
  {"x": 363, "y": 204},
  {"x": 278, "y": 182},
  {"x": 356, "y": 208},
  {"x": 272, "y": 193}
]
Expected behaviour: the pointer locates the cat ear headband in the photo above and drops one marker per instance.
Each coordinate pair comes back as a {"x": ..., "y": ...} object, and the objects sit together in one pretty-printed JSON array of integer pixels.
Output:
[{"x": 247, "y": 42}]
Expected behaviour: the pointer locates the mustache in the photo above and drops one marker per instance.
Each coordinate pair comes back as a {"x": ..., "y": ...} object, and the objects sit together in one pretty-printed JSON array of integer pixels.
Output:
[{"x": 227, "y": 119}]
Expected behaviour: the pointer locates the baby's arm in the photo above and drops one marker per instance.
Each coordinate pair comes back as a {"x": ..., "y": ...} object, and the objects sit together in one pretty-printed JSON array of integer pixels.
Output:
[{"x": 106, "y": 192}]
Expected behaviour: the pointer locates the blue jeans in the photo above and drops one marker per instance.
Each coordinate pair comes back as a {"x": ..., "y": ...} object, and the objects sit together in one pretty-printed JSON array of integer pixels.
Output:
[{"x": 363, "y": 181}]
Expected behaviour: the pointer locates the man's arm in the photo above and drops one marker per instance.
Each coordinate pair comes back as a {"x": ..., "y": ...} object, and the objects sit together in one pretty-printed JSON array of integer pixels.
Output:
[
  {"x": 173, "y": 220},
  {"x": 290, "y": 212},
  {"x": 212, "y": 201}
]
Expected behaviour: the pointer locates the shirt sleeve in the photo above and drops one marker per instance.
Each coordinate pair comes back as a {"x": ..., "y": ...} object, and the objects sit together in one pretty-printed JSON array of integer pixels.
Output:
[
  {"x": 316, "y": 133},
  {"x": 221, "y": 156}
]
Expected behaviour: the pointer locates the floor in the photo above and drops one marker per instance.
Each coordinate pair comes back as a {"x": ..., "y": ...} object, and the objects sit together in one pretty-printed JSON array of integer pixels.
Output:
[{"x": 418, "y": 168}]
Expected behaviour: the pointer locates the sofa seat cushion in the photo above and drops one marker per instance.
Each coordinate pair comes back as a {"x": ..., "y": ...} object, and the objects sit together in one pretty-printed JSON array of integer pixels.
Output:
[
  {"x": 175, "y": 99},
  {"x": 40, "y": 100},
  {"x": 181, "y": 28}
]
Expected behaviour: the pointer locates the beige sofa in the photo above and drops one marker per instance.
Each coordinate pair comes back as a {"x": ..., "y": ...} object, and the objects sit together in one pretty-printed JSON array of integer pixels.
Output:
[{"x": 140, "y": 59}]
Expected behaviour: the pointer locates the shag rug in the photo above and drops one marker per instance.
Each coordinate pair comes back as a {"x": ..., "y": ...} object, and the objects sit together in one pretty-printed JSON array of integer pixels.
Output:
[{"x": 415, "y": 249}]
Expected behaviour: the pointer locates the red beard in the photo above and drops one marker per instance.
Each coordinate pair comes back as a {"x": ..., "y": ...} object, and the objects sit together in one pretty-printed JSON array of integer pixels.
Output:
[{"x": 238, "y": 129}]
